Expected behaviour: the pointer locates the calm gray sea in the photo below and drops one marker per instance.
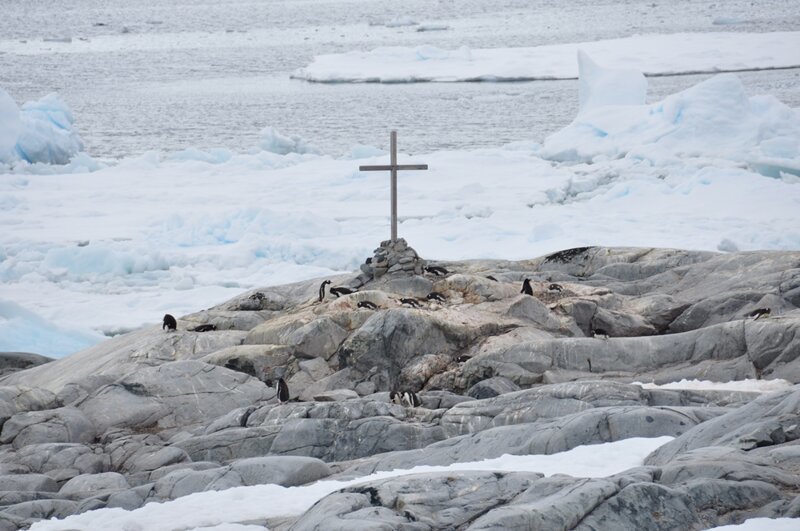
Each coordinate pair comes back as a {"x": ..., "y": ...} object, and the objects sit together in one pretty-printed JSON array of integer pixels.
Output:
[{"x": 171, "y": 74}]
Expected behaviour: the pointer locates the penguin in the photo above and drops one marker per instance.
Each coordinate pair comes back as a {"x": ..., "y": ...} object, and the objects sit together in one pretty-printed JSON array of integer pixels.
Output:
[
  {"x": 283, "y": 391},
  {"x": 395, "y": 397},
  {"x": 410, "y": 399},
  {"x": 257, "y": 296},
  {"x": 169, "y": 324},
  {"x": 410, "y": 302},
  {"x": 341, "y": 291},
  {"x": 368, "y": 261},
  {"x": 462, "y": 359},
  {"x": 368, "y": 305},
  {"x": 204, "y": 328},
  {"x": 759, "y": 313},
  {"x": 322, "y": 289},
  {"x": 436, "y": 270},
  {"x": 436, "y": 296},
  {"x": 599, "y": 333},
  {"x": 555, "y": 287},
  {"x": 526, "y": 287},
  {"x": 589, "y": 361},
  {"x": 490, "y": 277},
  {"x": 405, "y": 398}
]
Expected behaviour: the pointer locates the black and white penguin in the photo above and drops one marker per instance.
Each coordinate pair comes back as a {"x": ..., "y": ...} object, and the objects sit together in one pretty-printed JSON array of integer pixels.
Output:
[
  {"x": 555, "y": 287},
  {"x": 463, "y": 359},
  {"x": 410, "y": 399},
  {"x": 283, "y": 391},
  {"x": 410, "y": 302},
  {"x": 368, "y": 305},
  {"x": 436, "y": 270},
  {"x": 526, "y": 287},
  {"x": 405, "y": 398},
  {"x": 322, "y": 289},
  {"x": 204, "y": 328},
  {"x": 339, "y": 291},
  {"x": 169, "y": 324},
  {"x": 490, "y": 277},
  {"x": 758, "y": 313},
  {"x": 257, "y": 296},
  {"x": 435, "y": 296},
  {"x": 599, "y": 333}
]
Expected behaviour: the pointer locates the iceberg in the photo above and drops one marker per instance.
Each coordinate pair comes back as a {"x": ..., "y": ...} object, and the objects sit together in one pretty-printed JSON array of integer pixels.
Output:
[
  {"x": 41, "y": 132},
  {"x": 600, "y": 86}
]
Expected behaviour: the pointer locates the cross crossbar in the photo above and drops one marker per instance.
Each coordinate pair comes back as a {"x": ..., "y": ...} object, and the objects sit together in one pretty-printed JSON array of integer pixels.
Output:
[{"x": 393, "y": 167}]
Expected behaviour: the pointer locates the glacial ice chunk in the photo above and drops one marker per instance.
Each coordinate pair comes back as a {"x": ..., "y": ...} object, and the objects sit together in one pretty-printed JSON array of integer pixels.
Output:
[
  {"x": 10, "y": 125},
  {"x": 600, "y": 86}
]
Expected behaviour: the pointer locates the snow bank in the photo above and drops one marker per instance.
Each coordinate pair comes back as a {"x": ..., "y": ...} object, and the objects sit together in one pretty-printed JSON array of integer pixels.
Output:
[
  {"x": 746, "y": 385},
  {"x": 258, "y": 503},
  {"x": 652, "y": 54},
  {"x": 762, "y": 524},
  {"x": 712, "y": 119},
  {"x": 41, "y": 132}
]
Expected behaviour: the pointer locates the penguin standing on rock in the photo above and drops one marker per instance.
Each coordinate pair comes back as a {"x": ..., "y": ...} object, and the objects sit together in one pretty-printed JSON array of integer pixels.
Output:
[
  {"x": 322, "y": 289},
  {"x": 526, "y": 287},
  {"x": 169, "y": 324},
  {"x": 283, "y": 391},
  {"x": 368, "y": 305},
  {"x": 599, "y": 333}
]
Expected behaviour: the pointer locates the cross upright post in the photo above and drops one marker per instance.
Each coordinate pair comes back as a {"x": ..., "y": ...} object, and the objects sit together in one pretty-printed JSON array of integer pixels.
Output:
[{"x": 393, "y": 167}]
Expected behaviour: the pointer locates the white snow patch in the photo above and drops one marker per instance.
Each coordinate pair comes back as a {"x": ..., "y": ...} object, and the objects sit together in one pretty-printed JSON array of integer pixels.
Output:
[
  {"x": 746, "y": 385},
  {"x": 762, "y": 524},
  {"x": 241, "y": 504}
]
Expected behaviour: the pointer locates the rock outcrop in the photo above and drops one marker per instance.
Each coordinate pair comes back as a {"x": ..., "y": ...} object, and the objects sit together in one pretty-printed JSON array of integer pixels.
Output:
[{"x": 155, "y": 415}]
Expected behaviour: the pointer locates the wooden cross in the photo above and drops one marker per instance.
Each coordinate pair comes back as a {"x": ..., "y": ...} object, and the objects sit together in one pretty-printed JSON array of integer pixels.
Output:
[{"x": 393, "y": 167}]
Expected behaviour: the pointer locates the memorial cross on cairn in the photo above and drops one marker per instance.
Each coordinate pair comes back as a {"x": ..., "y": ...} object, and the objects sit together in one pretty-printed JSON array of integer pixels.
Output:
[{"x": 393, "y": 167}]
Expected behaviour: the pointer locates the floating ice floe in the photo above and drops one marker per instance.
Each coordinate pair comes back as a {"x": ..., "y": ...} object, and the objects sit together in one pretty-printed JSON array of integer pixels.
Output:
[{"x": 651, "y": 54}]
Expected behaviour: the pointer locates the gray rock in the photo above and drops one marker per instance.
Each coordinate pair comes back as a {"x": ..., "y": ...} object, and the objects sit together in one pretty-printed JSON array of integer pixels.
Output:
[
  {"x": 337, "y": 395},
  {"x": 42, "y": 509},
  {"x": 17, "y": 361},
  {"x": 87, "y": 485},
  {"x": 229, "y": 444},
  {"x": 767, "y": 421},
  {"x": 445, "y": 500},
  {"x": 17, "y": 399},
  {"x": 287, "y": 471},
  {"x": 66, "y": 424},
  {"x": 28, "y": 483},
  {"x": 492, "y": 387},
  {"x": 184, "y": 482},
  {"x": 171, "y": 395},
  {"x": 48, "y": 457}
]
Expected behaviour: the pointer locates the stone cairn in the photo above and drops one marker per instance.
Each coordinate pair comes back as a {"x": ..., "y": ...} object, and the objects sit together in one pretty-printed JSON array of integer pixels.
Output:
[{"x": 393, "y": 258}]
